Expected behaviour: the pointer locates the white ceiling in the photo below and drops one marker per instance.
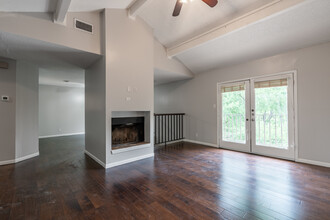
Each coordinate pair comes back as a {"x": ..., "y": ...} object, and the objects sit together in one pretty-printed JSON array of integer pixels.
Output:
[
  {"x": 75, "y": 76},
  {"x": 162, "y": 76},
  {"x": 50, "y": 5},
  {"x": 195, "y": 18},
  {"x": 42, "y": 53},
  {"x": 92, "y": 5},
  {"x": 28, "y": 5},
  {"x": 57, "y": 63},
  {"x": 301, "y": 26}
]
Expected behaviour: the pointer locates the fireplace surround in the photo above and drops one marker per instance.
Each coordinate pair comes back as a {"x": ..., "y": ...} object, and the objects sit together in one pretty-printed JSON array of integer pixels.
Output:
[{"x": 129, "y": 129}]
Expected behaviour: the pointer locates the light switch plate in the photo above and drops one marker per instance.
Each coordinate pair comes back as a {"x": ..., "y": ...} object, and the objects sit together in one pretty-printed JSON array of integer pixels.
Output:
[{"x": 5, "y": 98}]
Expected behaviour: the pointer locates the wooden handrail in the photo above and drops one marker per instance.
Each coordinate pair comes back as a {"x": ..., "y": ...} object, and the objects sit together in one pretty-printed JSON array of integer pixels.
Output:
[{"x": 160, "y": 114}]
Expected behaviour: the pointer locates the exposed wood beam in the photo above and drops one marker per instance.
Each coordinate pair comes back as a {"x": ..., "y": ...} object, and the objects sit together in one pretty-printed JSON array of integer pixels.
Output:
[
  {"x": 137, "y": 7},
  {"x": 61, "y": 11},
  {"x": 252, "y": 17}
]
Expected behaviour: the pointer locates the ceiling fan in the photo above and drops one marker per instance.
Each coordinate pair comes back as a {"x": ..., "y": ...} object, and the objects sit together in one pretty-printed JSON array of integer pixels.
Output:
[{"x": 179, "y": 4}]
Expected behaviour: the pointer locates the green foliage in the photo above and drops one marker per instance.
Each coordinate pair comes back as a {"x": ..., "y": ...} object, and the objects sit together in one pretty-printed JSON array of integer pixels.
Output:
[{"x": 270, "y": 116}]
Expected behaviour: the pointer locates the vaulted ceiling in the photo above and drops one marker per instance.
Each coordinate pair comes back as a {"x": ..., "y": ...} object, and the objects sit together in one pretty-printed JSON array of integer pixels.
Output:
[
  {"x": 50, "y": 5},
  {"x": 195, "y": 37},
  {"x": 195, "y": 18}
]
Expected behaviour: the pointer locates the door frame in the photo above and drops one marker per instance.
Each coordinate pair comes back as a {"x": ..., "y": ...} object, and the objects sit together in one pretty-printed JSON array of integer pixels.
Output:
[
  {"x": 295, "y": 110},
  {"x": 237, "y": 146}
]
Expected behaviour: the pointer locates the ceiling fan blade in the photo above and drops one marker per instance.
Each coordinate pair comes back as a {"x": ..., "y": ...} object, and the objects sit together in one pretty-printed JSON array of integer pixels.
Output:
[
  {"x": 211, "y": 3},
  {"x": 177, "y": 8}
]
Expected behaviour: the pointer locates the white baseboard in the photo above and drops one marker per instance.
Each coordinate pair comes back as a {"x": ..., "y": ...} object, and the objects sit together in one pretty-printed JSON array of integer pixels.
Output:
[
  {"x": 61, "y": 135},
  {"x": 110, "y": 165},
  {"x": 202, "y": 143},
  {"x": 6, "y": 162},
  {"x": 19, "y": 159},
  {"x": 171, "y": 142},
  {"x": 95, "y": 158},
  {"x": 313, "y": 162}
]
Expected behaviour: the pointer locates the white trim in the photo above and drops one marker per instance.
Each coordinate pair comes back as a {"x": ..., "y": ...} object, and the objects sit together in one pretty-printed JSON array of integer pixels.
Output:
[
  {"x": 95, "y": 158},
  {"x": 63, "y": 84},
  {"x": 202, "y": 143},
  {"x": 295, "y": 107},
  {"x": 19, "y": 159},
  {"x": 133, "y": 148},
  {"x": 170, "y": 142},
  {"x": 313, "y": 162},
  {"x": 110, "y": 165},
  {"x": 227, "y": 144},
  {"x": 6, "y": 162},
  {"x": 61, "y": 135}
]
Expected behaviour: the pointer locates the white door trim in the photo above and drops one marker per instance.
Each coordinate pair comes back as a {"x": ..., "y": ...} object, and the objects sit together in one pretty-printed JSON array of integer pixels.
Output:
[
  {"x": 230, "y": 145},
  {"x": 295, "y": 106}
]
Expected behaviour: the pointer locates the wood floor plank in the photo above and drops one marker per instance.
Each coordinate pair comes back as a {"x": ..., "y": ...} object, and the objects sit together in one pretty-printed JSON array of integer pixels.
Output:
[{"x": 182, "y": 181}]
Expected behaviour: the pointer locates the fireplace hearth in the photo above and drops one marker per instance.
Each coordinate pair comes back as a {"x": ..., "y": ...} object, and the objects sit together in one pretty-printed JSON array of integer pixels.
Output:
[{"x": 127, "y": 132}]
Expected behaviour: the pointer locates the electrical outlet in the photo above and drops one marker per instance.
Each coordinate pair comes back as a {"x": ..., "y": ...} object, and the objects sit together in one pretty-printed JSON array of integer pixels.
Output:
[
  {"x": 196, "y": 134},
  {"x": 5, "y": 98}
]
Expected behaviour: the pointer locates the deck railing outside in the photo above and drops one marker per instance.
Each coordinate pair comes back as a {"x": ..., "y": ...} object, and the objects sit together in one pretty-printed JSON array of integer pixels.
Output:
[
  {"x": 270, "y": 129},
  {"x": 168, "y": 127}
]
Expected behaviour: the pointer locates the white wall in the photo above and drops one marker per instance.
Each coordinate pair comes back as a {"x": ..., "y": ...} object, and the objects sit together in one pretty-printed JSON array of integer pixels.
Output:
[
  {"x": 19, "y": 116},
  {"x": 95, "y": 116},
  {"x": 168, "y": 69},
  {"x": 7, "y": 111},
  {"x": 40, "y": 26},
  {"x": 27, "y": 142},
  {"x": 197, "y": 97},
  {"x": 61, "y": 110},
  {"x": 129, "y": 63}
]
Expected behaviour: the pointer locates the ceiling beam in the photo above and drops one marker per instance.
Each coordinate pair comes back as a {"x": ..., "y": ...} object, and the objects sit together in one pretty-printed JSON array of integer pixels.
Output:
[
  {"x": 252, "y": 17},
  {"x": 62, "y": 9},
  {"x": 137, "y": 7}
]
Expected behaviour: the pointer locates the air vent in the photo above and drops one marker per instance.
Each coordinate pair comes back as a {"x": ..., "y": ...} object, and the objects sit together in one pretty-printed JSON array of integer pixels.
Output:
[{"x": 81, "y": 25}]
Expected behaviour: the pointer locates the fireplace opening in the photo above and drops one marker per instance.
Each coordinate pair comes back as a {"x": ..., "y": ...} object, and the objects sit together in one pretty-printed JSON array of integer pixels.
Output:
[{"x": 127, "y": 132}]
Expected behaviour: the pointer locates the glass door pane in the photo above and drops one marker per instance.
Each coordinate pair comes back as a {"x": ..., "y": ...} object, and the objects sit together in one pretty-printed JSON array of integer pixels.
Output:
[
  {"x": 234, "y": 120},
  {"x": 272, "y": 116},
  {"x": 271, "y": 113}
]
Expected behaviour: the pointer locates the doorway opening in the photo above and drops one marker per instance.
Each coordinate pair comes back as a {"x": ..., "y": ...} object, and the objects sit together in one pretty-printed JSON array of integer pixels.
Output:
[{"x": 256, "y": 115}]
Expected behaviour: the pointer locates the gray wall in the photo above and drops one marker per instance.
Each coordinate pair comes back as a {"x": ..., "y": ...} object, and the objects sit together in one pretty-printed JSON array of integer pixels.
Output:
[
  {"x": 129, "y": 63},
  {"x": 61, "y": 110},
  {"x": 7, "y": 111},
  {"x": 40, "y": 26},
  {"x": 27, "y": 141},
  {"x": 19, "y": 117},
  {"x": 197, "y": 97},
  {"x": 95, "y": 116}
]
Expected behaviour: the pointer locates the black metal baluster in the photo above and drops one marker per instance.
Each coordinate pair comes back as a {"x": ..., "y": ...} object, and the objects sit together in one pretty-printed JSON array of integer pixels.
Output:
[{"x": 182, "y": 117}]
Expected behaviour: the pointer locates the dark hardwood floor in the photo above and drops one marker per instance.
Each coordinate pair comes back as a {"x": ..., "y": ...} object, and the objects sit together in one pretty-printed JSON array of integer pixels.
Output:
[{"x": 183, "y": 181}]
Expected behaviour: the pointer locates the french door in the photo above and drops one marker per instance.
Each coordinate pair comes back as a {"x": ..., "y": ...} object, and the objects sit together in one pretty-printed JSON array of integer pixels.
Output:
[{"x": 257, "y": 116}]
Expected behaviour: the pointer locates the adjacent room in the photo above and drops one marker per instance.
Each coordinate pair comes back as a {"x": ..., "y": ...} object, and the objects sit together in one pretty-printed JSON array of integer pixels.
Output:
[{"x": 152, "y": 109}]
